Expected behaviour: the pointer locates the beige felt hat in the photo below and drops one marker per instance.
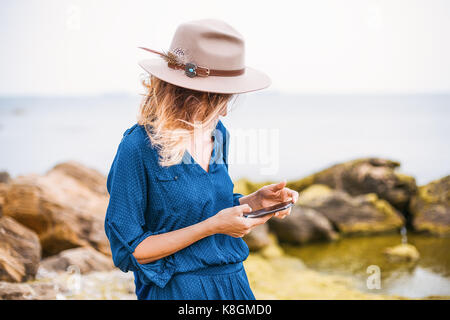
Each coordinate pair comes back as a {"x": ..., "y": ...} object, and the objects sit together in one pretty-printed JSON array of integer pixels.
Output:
[{"x": 206, "y": 55}]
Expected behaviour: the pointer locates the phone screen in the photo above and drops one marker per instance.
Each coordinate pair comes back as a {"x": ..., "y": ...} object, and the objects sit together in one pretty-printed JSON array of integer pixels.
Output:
[{"x": 275, "y": 208}]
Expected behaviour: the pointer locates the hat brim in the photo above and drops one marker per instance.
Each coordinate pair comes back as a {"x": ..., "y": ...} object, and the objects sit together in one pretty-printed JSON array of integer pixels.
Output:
[{"x": 251, "y": 80}]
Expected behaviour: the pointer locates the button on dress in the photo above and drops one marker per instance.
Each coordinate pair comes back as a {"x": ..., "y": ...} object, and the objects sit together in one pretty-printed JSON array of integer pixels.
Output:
[{"x": 148, "y": 199}]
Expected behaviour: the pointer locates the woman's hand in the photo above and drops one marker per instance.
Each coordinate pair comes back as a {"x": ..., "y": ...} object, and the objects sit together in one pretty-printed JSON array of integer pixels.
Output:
[
  {"x": 231, "y": 221},
  {"x": 270, "y": 195}
]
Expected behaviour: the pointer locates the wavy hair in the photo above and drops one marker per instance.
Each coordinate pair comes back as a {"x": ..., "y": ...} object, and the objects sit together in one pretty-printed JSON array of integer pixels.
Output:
[{"x": 170, "y": 114}]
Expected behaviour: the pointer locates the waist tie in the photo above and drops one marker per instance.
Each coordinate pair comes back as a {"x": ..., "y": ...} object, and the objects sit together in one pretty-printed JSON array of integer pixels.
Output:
[{"x": 216, "y": 269}]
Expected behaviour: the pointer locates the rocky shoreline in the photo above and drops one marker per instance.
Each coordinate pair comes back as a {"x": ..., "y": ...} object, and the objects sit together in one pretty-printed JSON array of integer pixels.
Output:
[
  {"x": 359, "y": 197},
  {"x": 53, "y": 246}
]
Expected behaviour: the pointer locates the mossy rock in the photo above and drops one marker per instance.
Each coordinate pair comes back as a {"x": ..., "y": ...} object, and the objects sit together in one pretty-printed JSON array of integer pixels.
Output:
[
  {"x": 362, "y": 176},
  {"x": 274, "y": 275},
  {"x": 313, "y": 192},
  {"x": 430, "y": 208},
  {"x": 246, "y": 187},
  {"x": 273, "y": 249},
  {"x": 301, "y": 184},
  {"x": 402, "y": 253},
  {"x": 364, "y": 214}
]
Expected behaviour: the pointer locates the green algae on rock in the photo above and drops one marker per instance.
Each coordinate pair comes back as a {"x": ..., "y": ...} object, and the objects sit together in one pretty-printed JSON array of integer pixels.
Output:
[
  {"x": 430, "y": 208},
  {"x": 351, "y": 257},
  {"x": 402, "y": 253},
  {"x": 366, "y": 175},
  {"x": 245, "y": 186},
  {"x": 275, "y": 275},
  {"x": 364, "y": 214}
]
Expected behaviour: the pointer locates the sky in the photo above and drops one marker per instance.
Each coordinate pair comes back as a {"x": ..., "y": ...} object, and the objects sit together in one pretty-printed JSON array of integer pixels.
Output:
[{"x": 62, "y": 47}]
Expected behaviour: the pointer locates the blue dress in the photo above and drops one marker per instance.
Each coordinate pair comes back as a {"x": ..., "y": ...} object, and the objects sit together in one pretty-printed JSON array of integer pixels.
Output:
[{"x": 147, "y": 199}]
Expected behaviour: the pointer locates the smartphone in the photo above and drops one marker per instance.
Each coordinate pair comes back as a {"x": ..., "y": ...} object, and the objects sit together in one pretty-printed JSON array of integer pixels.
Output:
[{"x": 264, "y": 211}]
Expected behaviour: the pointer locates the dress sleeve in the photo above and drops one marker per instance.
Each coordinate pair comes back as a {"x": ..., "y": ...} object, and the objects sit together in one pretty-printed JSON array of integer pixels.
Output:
[
  {"x": 125, "y": 220},
  {"x": 226, "y": 146}
]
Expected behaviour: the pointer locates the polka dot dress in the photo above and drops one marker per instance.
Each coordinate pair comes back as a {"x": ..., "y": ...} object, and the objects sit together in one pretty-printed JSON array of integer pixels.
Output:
[{"x": 147, "y": 199}]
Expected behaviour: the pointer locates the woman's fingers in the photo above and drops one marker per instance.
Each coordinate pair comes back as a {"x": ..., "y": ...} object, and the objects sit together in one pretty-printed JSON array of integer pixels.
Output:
[
  {"x": 283, "y": 214},
  {"x": 289, "y": 194},
  {"x": 276, "y": 187},
  {"x": 243, "y": 208},
  {"x": 293, "y": 194},
  {"x": 250, "y": 223},
  {"x": 257, "y": 221}
]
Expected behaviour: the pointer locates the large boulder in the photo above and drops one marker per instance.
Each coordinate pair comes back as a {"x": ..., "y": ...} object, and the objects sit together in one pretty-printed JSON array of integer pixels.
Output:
[
  {"x": 84, "y": 259},
  {"x": 27, "y": 291},
  {"x": 4, "y": 177},
  {"x": 3, "y": 190},
  {"x": 273, "y": 249},
  {"x": 65, "y": 207},
  {"x": 88, "y": 177},
  {"x": 20, "y": 251},
  {"x": 362, "y": 176},
  {"x": 303, "y": 225},
  {"x": 4, "y": 184},
  {"x": 258, "y": 238},
  {"x": 365, "y": 214},
  {"x": 430, "y": 208}
]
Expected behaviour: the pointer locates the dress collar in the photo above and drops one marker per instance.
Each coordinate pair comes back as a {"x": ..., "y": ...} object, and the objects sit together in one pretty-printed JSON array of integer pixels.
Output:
[{"x": 216, "y": 155}]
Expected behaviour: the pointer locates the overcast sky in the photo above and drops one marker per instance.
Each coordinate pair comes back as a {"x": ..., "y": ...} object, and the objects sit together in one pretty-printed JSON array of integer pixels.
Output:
[{"x": 317, "y": 46}]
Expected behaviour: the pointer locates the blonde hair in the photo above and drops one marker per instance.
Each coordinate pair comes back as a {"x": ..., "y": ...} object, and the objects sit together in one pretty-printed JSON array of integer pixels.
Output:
[{"x": 170, "y": 114}]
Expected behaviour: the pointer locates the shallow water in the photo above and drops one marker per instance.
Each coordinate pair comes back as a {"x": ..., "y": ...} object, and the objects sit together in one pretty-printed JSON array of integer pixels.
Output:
[{"x": 352, "y": 256}]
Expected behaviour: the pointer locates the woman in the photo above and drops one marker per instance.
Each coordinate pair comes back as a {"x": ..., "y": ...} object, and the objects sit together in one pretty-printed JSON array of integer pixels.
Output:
[{"x": 173, "y": 218}]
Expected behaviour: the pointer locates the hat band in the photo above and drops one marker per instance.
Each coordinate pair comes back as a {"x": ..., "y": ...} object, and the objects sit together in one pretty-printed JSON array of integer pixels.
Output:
[{"x": 191, "y": 69}]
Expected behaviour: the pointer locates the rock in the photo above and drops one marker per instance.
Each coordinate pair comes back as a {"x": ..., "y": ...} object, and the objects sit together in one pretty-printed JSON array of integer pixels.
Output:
[
  {"x": 106, "y": 285},
  {"x": 362, "y": 176},
  {"x": 61, "y": 207},
  {"x": 90, "y": 178},
  {"x": 245, "y": 186},
  {"x": 365, "y": 214},
  {"x": 402, "y": 253},
  {"x": 85, "y": 259},
  {"x": 258, "y": 238},
  {"x": 27, "y": 291},
  {"x": 303, "y": 225},
  {"x": 4, "y": 177},
  {"x": 430, "y": 208},
  {"x": 3, "y": 190},
  {"x": 301, "y": 184},
  {"x": 273, "y": 249},
  {"x": 287, "y": 278},
  {"x": 20, "y": 251}
]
